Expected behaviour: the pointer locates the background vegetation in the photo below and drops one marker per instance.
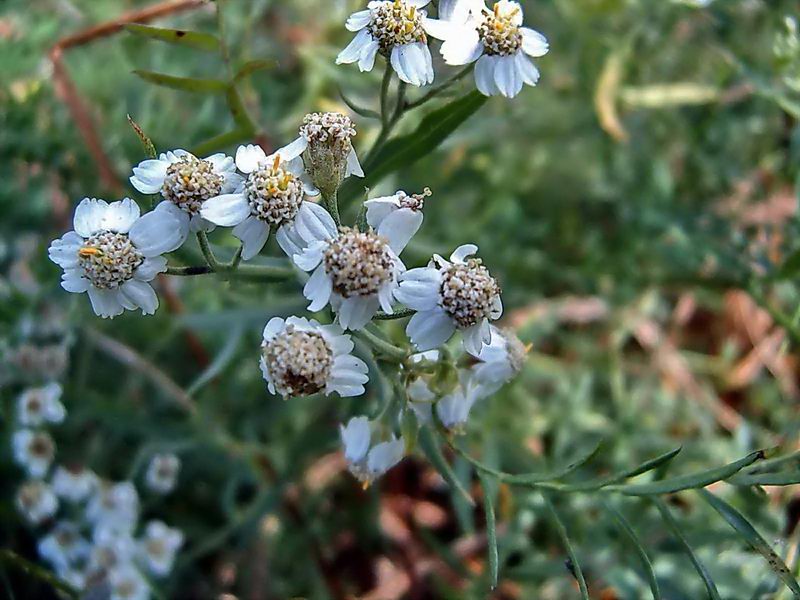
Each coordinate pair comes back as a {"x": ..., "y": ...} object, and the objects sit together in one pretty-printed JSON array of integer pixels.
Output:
[{"x": 638, "y": 207}]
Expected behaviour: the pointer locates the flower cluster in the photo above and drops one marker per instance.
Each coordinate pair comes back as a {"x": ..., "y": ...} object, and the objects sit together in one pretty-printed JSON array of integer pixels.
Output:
[
  {"x": 93, "y": 544},
  {"x": 494, "y": 39}
]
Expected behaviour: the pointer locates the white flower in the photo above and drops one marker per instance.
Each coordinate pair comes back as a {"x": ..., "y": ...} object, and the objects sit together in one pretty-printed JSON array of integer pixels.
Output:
[
  {"x": 300, "y": 357},
  {"x": 64, "y": 546},
  {"x": 74, "y": 483},
  {"x": 113, "y": 254},
  {"x": 74, "y": 577},
  {"x": 421, "y": 399},
  {"x": 114, "y": 505},
  {"x": 185, "y": 182},
  {"x": 112, "y": 547},
  {"x": 499, "y": 361},
  {"x": 397, "y": 29},
  {"x": 34, "y": 451},
  {"x": 356, "y": 271},
  {"x": 162, "y": 473},
  {"x": 272, "y": 197},
  {"x": 453, "y": 408},
  {"x": 498, "y": 42},
  {"x": 450, "y": 295},
  {"x": 127, "y": 583},
  {"x": 40, "y": 405},
  {"x": 158, "y": 547},
  {"x": 36, "y": 501},
  {"x": 397, "y": 217},
  {"x": 365, "y": 463}
]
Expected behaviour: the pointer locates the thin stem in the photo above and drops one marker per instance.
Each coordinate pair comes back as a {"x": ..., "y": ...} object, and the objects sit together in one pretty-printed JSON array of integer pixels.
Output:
[
  {"x": 189, "y": 271},
  {"x": 235, "y": 270},
  {"x": 331, "y": 202},
  {"x": 387, "y": 80},
  {"x": 237, "y": 258},
  {"x": 398, "y": 314},
  {"x": 384, "y": 347},
  {"x": 439, "y": 89},
  {"x": 208, "y": 254}
]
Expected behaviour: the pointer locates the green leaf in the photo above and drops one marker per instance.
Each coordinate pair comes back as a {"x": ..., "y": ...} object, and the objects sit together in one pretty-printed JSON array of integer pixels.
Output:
[
  {"x": 685, "y": 482},
  {"x": 646, "y": 466},
  {"x": 149, "y": 148},
  {"x": 35, "y": 571},
  {"x": 736, "y": 520},
  {"x": 428, "y": 444},
  {"x": 359, "y": 110},
  {"x": 673, "y": 525},
  {"x": 184, "y": 84},
  {"x": 637, "y": 544},
  {"x": 253, "y": 66},
  {"x": 790, "y": 478},
  {"x": 575, "y": 567},
  {"x": 181, "y": 37},
  {"x": 489, "y": 491},
  {"x": 573, "y": 466},
  {"x": 404, "y": 151}
]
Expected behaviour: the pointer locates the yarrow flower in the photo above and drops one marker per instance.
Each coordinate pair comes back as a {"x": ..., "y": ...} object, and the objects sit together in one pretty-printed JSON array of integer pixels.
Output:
[
  {"x": 397, "y": 217},
  {"x": 185, "y": 182},
  {"x": 115, "y": 506},
  {"x": 113, "y": 254},
  {"x": 74, "y": 483},
  {"x": 36, "y": 501},
  {"x": 459, "y": 294},
  {"x": 158, "y": 547},
  {"x": 365, "y": 463},
  {"x": 162, "y": 473},
  {"x": 272, "y": 197},
  {"x": 300, "y": 357},
  {"x": 498, "y": 42},
  {"x": 64, "y": 547},
  {"x": 127, "y": 583},
  {"x": 34, "y": 451},
  {"x": 397, "y": 29},
  {"x": 40, "y": 405},
  {"x": 499, "y": 361}
]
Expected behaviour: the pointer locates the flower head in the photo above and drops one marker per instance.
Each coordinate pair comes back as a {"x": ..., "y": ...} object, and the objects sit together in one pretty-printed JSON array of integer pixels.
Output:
[
  {"x": 112, "y": 547},
  {"x": 127, "y": 583},
  {"x": 365, "y": 463},
  {"x": 499, "y": 361},
  {"x": 74, "y": 483},
  {"x": 498, "y": 42},
  {"x": 300, "y": 357},
  {"x": 397, "y": 217},
  {"x": 34, "y": 451},
  {"x": 113, "y": 254},
  {"x": 459, "y": 294},
  {"x": 162, "y": 473},
  {"x": 40, "y": 405},
  {"x": 398, "y": 30},
  {"x": 64, "y": 546},
  {"x": 36, "y": 501},
  {"x": 185, "y": 182},
  {"x": 272, "y": 197},
  {"x": 158, "y": 547},
  {"x": 114, "y": 506}
]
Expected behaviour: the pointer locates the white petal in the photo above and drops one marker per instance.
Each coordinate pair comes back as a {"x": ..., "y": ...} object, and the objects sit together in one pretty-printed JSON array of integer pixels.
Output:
[
  {"x": 457, "y": 10},
  {"x": 291, "y": 151},
  {"x": 384, "y": 456},
  {"x": 254, "y": 233},
  {"x": 73, "y": 282},
  {"x": 159, "y": 231},
  {"x": 497, "y": 308},
  {"x": 358, "y": 20},
  {"x": 105, "y": 303},
  {"x": 526, "y": 69},
  {"x": 507, "y": 77},
  {"x": 148, "y": 176},
  {"x": 151, "y": 267},
  {"x": 64, "y": 251},
  {"x": 366, "y": 61},
  {"x": 233, "y": 183},
  {"x": 430, "y": 329},
  {"x": 89, "y": 216},
  {"x": 354, "y": 49},
  {"x": 400, "y": 64},
  {"x": 399, "y": 227},
  {"x": 385, "y": 295},
  {"x": 533, "y": 42},
  {"x": 119, "y": 216},
  {"x": 355, "y": 439},
  {"x": 380, "y": 208},
  {"x": 198, "y": 223},
  {"x": 273, "y": 326},
  {"x": 318, "y": 289},
  {"x": 473, "y": 339},
  {"x": 318, "y": 224},
  {"x": 310, "y": 257},
  {"x": 353, "y": 165},
  {"x": 463, "y": 252},
  {"x": 141, "y": 294},
  {"x": 227, "y": 210},
  {"x": 418, "y": 295},
  {"x": 356, "y": 312},
  {"x": 413, "y": 63},
  {"x": 463, "y": 46},
  {"x": 288, "y": 239},
  {"x": 249, "y": 157},
  {"x": 440, "y": 29},
  {"x": 484, "y": 75}
]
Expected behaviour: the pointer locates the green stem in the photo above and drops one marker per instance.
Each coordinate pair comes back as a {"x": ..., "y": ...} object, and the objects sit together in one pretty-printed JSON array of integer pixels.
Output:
[
  {"x": 208, "y": 254},
  {"x": 382, "y": 346},
  {"x": 398, "y": 314},
  {"x": 439, "y": 89},
  {"x": 331, "y": 202},
  {"x": 387, "y": 80},
  {"x": 237, "y": 258},
  {"x": 189, "y": 271}
]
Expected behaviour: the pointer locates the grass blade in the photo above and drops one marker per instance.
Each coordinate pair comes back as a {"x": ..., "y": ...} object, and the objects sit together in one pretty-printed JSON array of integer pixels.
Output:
[
  {"x": 675, "y": 528},
  {"x": 738, "y": 521},
  {"x": 181, "y": 37},
  {"x": 184, "y": 84},
  {"x": 489, "y": 490},
  {"x": 637, "y": 544},
  {"x": 686, "y": 482},
  {"x": 575, "y": 567},
  {"x": 428, "y": 444}
]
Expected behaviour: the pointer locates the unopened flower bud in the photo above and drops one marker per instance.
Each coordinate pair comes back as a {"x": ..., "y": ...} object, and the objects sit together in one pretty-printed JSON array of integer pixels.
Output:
[{"x": 329, "y": 156}]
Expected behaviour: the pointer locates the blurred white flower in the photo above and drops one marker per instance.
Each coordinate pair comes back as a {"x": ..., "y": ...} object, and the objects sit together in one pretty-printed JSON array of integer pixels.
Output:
[
  {"x": 272, "y": 197},
  {"x": 356, "y": 271},
  {"x": 34, "y": 451},
  {"x": 114, "y": 506},
  {"x": 498, "y": 42},
  {"x": 40, "y": 405},
  {"x": 397, "y": 217},
  {"x": 421, "y": 399},
  {"x": 112, "y": 547},
  {"x": 185, "y": 182},
  {"x": 300, "y": 357},
  {"x": 74, "y": 483},
  {"x": 36, "y": 501},
  {"x": 76, "y": 577},
  {"x": 114, "y": 253},
  {"x": 127, "y": 583},
  {"x": 64, "y": 546},
  {"x": 459, "y": 294},
  {"x": 365, "y": 463},
  {"x": 397, "y": 29},
  {"x": 453, "y": 409},
  {"x": 158, "y": 547},
  {"x": 499, "y": 361},
  {"x": 162, "y": 473}
]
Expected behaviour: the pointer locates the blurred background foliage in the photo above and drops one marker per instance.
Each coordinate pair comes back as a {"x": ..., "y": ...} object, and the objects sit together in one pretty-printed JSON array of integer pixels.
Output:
[{"x": 638, "y": 208}]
